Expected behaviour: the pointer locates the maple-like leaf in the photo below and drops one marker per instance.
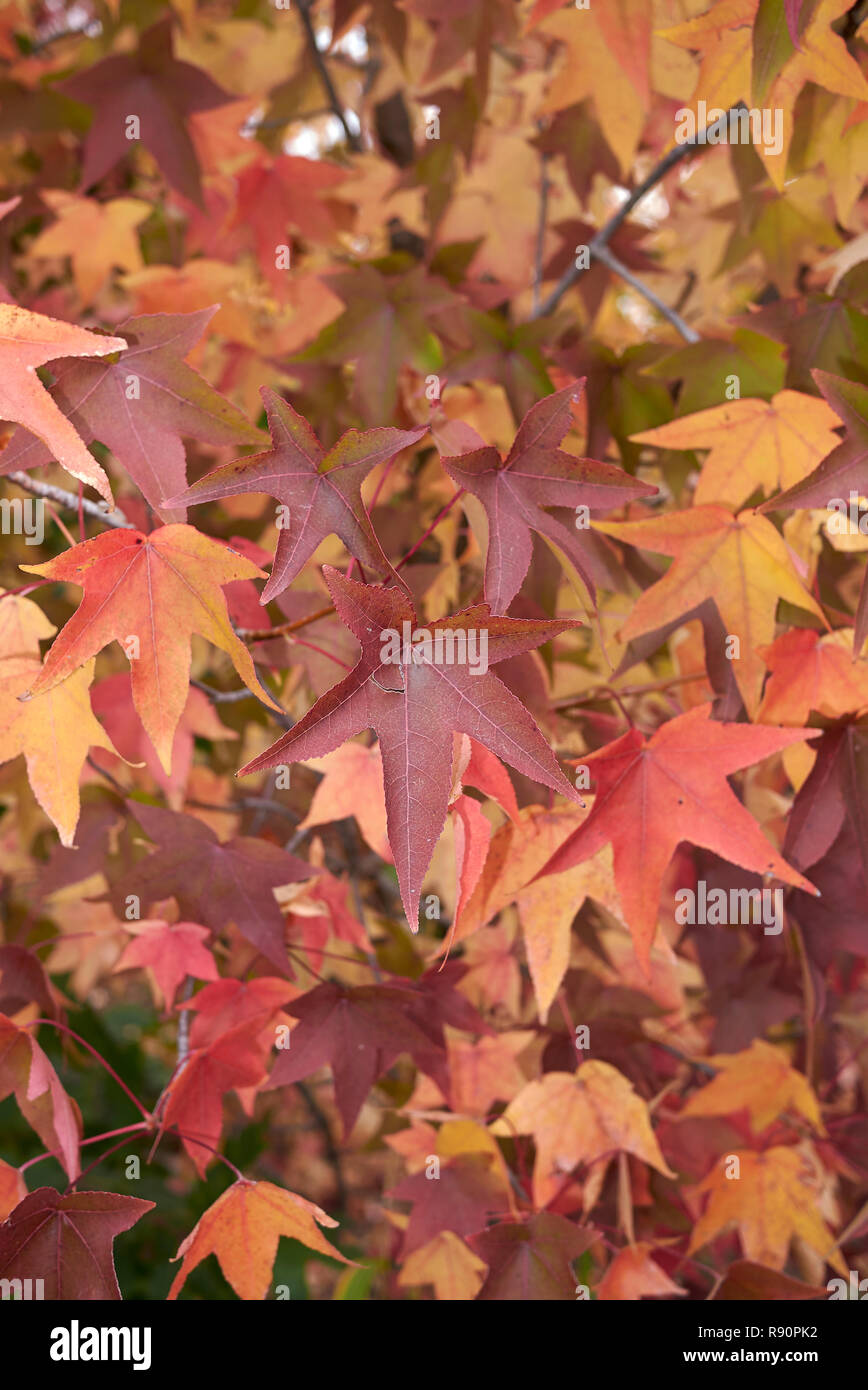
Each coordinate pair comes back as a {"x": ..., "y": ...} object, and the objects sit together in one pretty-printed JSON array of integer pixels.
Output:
[
  {"x": 754, "y": 445},
  {"x": 537, "y": 474},
  {"x": 846, "y": 467},
  {"x": 276, "y": 195},
  {"x": 386, "y": 324},
  {"x": 485, "y": 1070},
  {"x": 352, "y": 785},
  {"x": 741, "y": 562},
  {"x": 360, "y": 1032},
  {"x": 54, "y": 732},
  {"x": 547, "y": 906},
  {"x": 633, "y": 1274},
  {"x": 414, "y": 706},
  {"x": 150, "y": 593},
  {"x": 580, "y": 1117},
  {"x": 243, "y": 1227},
  {"x": 321, "y": 488},
  {"x": 171, "y": 951},
  {"x": 841, "y": 476},
  {"x": 219, "y": 885},
  {"x": 759, "y": 1080},
  {"x": 531, "y": 1259},
  {"x": 26, "y": 1072},
  {"x": 466, "y": 1191},
  {"x": 228, "y": 1003},
  {"x": 812, "y": 671},
  {"x": 28, "y": 341},
  {"x": 448, "y": 1265},
  {"x": 140, "y": 403},
  {"x": 67, "y": 1240},
  {"x": 653, "y": 793},
  {"x": 95, "y": 236},
  {"x": 161, "y": 93},
  {"x": 775, "y": 1197},
  {"x": 607, "y": 59},
  {"x": 194, "y": 1097}
]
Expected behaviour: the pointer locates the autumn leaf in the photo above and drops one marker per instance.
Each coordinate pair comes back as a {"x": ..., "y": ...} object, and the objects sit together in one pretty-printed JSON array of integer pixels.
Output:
[
  {"x": 96, "y": 237},
  {"x": 243, "y": 1228},
  {"x": 387, "y": 322},
  {"x": 810, "y": 671},
  {"x": 414, "y": 710},
  {"x": 546, "y": 907},
  {"x": 753, "y": 445},
  {"x": 194, "y": 1096},
  {"x": 150, "y": 593},
  {"x": 579, "y": 1118},
  {"x": 740, "y": 562},
  {"x": 634, "y": 1274},
  {"x": 54, "y": 732},
  {"x": 652, "y": 794},
  {"x": 28, "y": 341},
  {"x": 759, "y": 1080},
  {"x": 67, "y": 1241},
  {"x": 360, "y": 1032},
  {"x": 321, "y": 489},
  {"x": 532, "y": 1258},
  {"x": 536, "y": 474},
  {"x": 459, "y": 1199},
  {"x": 352, "y": 785},
  {"x": 172, "y": 951},
  {"x": 218, "y": 885},
  {"x": 156, "y": 89},
  {"x": 447, "y": 1265},
  {"x": 26, "y": 1072},
  {"x": 774, "y": 1198},
  {"x": 140, "y": 403}
]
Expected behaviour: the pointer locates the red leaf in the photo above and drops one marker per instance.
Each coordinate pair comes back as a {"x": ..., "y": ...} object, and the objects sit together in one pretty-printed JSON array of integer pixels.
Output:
[
  {"x": 414, "y": 707},
  {"x": 67, "y": 1241}
]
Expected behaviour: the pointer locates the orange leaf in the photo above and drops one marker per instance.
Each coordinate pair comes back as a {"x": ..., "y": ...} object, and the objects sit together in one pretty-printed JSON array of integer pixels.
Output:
[
  {"x": 28, "y": 341},
  {"x": 242, "y": 1229}
]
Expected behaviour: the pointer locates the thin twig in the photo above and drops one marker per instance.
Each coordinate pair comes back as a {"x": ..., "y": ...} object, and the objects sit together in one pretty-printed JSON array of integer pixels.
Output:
[
  {"x": 325, "y": 76},
  {"x": 605, "y": 256},
  {"x": 605, "y": 234},
  {"x": 70, "y": 501},
  {"x": 544, "y": 186}
]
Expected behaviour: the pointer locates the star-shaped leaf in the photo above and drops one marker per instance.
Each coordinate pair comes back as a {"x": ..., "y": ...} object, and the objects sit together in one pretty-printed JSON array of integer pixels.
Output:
[
  {"x": 414, "y": 701},
  {"x": 243, "y": 1227},
  {"x": 578, "y": 1118},
  {"x": 753, "y": 444},
  {"x": 653, "y": 793},
  {"x": 322, "y": 489},
  {"x": 141, "y": 403},
  {"x": 150, "y": 593},
  {"x": 216, "y": 884},
  {"x": 67, "y": 1241},
  {"x": 537, "y": 474},
  {"x": 741, "y": 562},
  {"x": 161, "y": 93},
  {"x": 28, "y": 341}
]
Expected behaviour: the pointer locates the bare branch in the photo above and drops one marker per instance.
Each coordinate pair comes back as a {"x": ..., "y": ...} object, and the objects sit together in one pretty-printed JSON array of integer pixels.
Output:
[
  {"x": 325, "y": 76},
  {"x": 605, "y": 256},
  {"x": 605, "y": 234},
  {"x": 70, "y": 501}
]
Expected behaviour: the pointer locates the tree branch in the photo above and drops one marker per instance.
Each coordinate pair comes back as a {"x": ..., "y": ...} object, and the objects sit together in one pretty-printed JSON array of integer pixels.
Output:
[
  {"x": 605, "y": 256},
  {"x": 604, "y": 235},
  {"x": 70, "y": 501},
  {"x": 325, "y": 76}
]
